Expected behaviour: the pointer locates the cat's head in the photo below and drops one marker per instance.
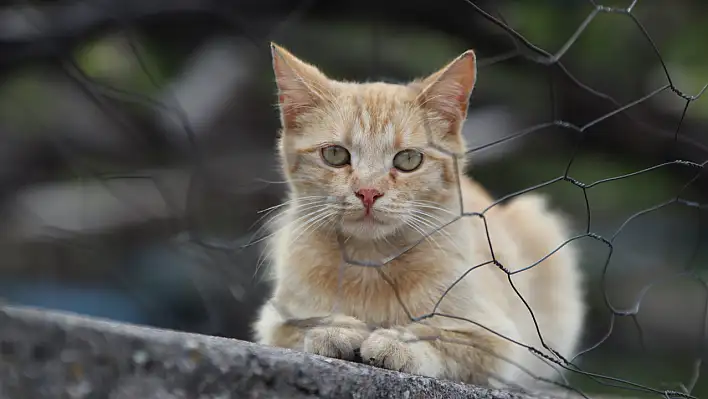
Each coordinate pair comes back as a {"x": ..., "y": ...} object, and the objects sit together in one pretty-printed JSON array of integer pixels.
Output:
[{"x": 381, "y": 150}]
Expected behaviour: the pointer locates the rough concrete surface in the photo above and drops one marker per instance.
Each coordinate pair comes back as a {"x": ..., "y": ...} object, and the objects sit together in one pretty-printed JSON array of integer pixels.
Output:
[{"x": 48, "y": 354}]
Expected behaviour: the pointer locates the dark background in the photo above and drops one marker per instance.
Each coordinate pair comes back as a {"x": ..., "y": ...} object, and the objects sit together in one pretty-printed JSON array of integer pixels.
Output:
[{"x": 136, "y": 147}]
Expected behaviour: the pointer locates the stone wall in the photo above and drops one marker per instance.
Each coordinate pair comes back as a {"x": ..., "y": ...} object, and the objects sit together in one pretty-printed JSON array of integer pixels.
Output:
[{"x": 47, "y": 354}]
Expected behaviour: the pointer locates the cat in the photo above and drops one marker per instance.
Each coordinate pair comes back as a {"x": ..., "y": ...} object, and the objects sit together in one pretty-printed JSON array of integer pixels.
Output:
[{"x": 371, "y": 239}]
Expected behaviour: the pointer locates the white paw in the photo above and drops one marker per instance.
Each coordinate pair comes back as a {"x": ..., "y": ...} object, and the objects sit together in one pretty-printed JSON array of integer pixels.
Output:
[
  {"x": 337, "y": 342},
  {"x": 399, "y": 350}
]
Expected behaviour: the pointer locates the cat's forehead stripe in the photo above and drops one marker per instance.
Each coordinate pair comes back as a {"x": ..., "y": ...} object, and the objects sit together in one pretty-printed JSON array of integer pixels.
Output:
[{"x": 379, "y": 120}]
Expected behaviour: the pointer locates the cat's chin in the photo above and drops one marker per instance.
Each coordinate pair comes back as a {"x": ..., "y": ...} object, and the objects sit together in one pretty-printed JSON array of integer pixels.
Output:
[{"x": 370, "y": 226}]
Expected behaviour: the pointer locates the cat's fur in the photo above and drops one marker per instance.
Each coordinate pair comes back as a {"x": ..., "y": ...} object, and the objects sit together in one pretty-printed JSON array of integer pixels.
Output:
[{"x": 344, "y": 307}]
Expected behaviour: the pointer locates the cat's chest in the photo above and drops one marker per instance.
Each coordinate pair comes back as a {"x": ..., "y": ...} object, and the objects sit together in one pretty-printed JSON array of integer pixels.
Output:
[{"x": 390, "y": 295}]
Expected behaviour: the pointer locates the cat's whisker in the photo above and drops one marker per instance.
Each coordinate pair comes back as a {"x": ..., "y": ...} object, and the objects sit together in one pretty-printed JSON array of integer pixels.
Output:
[
  {"x": 265, "y": 255},
  {"x": 412, "y": 223},
  {"x": 287, "y": 225},
  {"x": 298, "y": 207},
  {"x": 429, "y": 230},
  {"x": 268, "y": 250},
  {"x": 385, "y": 239},
  {"x": 439, "y": 225},
  {"x": 300, "y": 216},
  {"x": 432, "y": 227},
  {"x": 332, "y": 228},
  {"x": 427, "y": 237},
  {"x": 436, "y": 228},
  {"x": 322, "y": 222},
  {"x": 431, "y": 205},
  {"x": 294, "y": 200},
  {"x": 272, "y": 209},
  {"x": 297, "y": 210},
  {"x": 276, "y": 181},
  {"x": 312, "y": 221},
  {"x": 436, "y": 224}
]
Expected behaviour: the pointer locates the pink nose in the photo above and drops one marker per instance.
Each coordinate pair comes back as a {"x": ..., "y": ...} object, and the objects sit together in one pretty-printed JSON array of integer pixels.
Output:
[{"x": 368, "y": 196}]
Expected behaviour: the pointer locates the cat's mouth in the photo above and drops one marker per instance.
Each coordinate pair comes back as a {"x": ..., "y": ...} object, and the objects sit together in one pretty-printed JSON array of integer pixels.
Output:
[{"x": 370, "y": 216}]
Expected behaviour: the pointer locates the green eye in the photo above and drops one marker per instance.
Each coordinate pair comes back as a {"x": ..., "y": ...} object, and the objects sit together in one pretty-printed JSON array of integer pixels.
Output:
[
  {"x": 408, "y": 160},
  {"x": 335, "y": 155}
]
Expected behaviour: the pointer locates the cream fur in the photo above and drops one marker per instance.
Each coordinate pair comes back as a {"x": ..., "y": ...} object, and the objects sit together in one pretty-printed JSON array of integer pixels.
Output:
[{"x": 323, "y": 305}]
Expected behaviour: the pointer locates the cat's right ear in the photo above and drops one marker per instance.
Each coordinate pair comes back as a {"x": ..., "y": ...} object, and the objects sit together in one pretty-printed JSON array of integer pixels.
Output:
[{"x": 301, "y": 86}]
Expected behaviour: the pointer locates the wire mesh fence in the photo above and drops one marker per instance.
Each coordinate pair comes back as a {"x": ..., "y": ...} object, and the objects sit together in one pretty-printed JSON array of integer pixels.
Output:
[{"x": 139, "y": 150}]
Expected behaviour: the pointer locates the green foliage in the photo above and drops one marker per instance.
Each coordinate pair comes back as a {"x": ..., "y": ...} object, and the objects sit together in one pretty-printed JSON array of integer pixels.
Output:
[
  {"x": 24, "y": 100},
  {"x": 112, "y": 61}
]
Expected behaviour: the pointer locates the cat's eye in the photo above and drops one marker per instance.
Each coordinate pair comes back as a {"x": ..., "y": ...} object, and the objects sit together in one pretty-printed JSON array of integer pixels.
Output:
[
  {"x": 336, "y": 155},
  {"x": 408, "y": 160}
]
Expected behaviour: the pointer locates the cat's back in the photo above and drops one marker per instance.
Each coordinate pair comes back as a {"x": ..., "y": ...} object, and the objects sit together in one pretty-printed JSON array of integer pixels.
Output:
[
  {"x": 527, "y": 223},
  {"x": 538, "y": 246}
]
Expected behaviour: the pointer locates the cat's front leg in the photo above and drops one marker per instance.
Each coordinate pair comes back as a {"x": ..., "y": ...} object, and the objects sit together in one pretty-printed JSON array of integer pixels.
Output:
[
  {"x": 459, "y": 353},
  {"x": 337, "y": 335}
]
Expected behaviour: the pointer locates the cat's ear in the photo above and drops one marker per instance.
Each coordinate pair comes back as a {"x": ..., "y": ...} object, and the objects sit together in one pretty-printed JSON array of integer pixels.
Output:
[
  {"x": 301, "y": 86},
  {"x": 448, "y": 90}
]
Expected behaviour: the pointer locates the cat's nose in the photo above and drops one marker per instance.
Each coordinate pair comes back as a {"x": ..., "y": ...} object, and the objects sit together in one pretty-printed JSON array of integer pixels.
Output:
[{"x": 368, "y": 196}]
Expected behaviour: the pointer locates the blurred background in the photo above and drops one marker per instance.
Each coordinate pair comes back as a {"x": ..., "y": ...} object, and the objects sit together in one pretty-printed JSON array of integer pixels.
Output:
[{"x": 136, "y": 149}]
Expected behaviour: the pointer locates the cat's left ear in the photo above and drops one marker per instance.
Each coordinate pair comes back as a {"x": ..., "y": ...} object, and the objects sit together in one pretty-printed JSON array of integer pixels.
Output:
[{"x": 448, "y": 90}]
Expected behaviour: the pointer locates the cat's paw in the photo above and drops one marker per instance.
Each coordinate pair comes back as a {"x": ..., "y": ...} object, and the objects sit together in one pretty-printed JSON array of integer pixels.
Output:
[
  {"x": 397, "y": 349},
  {"x": 340, "y": 340}
]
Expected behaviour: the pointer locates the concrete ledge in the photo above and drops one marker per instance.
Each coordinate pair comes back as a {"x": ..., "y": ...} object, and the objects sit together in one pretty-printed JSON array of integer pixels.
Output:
[{"x": 48, "y": 354}]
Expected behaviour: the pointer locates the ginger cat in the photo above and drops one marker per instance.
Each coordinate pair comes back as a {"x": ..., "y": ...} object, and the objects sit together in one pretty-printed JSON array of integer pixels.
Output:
[{"x": 370, "y": 175}]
